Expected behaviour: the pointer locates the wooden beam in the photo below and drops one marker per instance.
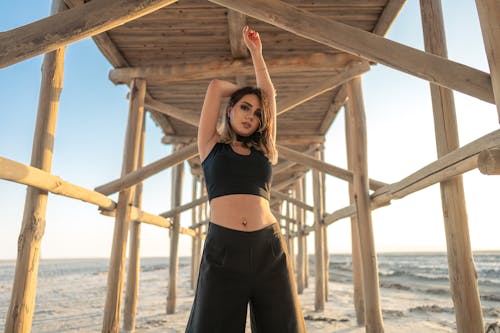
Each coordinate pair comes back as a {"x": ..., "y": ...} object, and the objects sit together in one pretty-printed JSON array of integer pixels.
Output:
[
  {"x": 104, "y": 42},
  {"x": 236, "y": 22},
  {"x": 357, "y": 260},
  {"x": 285, "y": 165},
  {"x": 179, "y": 209},
  {"x": 391, "y": 11},
  {"x": 24, "y": 174},
  {"x": 368, "y": 46},
  {"x": 300, "y": 140},
  {"x": 176, "y": 196},
  {"x": 69, "y": 26},
  {"x": 311, "y": 162},
  {"x": 42, "y": 180},
  {"x": 284, "y": 184},
  {"x": 187, "y": 116},
  {"x": 356, "y": 114},
  {"x": 341, "y": 76},
  {"x": 178, "y": 139},
  {"x": 319, "y": 229},
  {"x": 340, "y": 214},
  {"x": 338, "y": 101},
  {"x": 111, "y": 318},
  {"x": 298, "y": 203},
  {"x": 134, "y": 259},
  {"x": 489, "y": 161},
  {"x": 139, "y": 175},
  {"x": 139, "y": 215},
  {"x": 320, "y": 62},
  {"x": 489, "y": 17},
  {"x": 461, "y": 271},
  {"x": 22, "y": 303}
]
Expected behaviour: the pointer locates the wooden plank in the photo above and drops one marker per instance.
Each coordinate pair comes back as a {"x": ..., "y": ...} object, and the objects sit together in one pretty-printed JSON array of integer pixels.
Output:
[
  {"x": 311, "y": 162},
  {"x": 391, "y": 11},
  {"x": 22, "y": 303},
  {"x": 489, "y": 161},
  {"x": 320, "y": 62},
  {"x": 356, "y": 114},
  {"x": 69, "y": 26},
  {"x": 489, "y": 16},
  {"x": 300, "y": 217},
  {"x": 343, "y": 75},
  {"x": 111, "y": 319},
  {"x": 140, "y": 174},
  {"x": 368, "y": 46}
]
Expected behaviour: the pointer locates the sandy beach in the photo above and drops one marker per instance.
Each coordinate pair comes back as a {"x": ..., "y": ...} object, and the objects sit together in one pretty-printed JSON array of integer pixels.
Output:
[{"x": 71, "y": 296}]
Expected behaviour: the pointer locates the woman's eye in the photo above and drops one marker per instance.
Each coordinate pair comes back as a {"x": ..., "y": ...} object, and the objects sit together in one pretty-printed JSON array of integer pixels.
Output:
[{"x": 244, "y": 107}]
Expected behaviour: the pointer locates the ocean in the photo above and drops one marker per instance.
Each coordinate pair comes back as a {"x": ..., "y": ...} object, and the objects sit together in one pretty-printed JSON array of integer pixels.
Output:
[{"x": 71, "y": 292}]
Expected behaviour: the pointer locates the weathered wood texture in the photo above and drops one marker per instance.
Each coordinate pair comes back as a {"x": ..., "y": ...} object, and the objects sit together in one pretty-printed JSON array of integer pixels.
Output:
[
  {"x": 139, "y": 175},
  {"x": 368, "y": 46},
  {"x": 489, "y": 16},
  {"x": 69, "y": 26},
  {"x": 356, "y": 114},
  {"x": 22, "y": 302},
  {"x": 183, "y": 35},
  {"x": 319, "y": 229},
  {"x": 176, "y": 196},
  {"x": 489, "y": 161},
  {"x": 357, "y": 272},
  {"x": 134, "y": 261},
  {"x": 111, "y": 319},
  {"x": 461, "y": 269}
]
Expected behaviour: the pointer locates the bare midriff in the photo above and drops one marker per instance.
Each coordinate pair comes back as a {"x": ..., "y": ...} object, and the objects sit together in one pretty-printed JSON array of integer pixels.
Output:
[{"x": 244, "y": 212}]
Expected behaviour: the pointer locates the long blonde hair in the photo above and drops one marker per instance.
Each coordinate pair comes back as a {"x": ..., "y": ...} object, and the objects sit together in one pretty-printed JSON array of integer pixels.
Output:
[{"x": 262, "y": 139}]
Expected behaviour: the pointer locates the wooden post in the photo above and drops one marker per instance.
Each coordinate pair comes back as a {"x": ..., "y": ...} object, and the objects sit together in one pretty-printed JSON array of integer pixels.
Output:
[
  {"x": 300, "y": 237},
  {"x": 194, "y": 248},
  {"x": 319, "y": 253},
  {"x": 306, "y": 251},
  {"x": 287, "y": 223},
  {"x": 111, "y": 321},
  {"x": 325, "y": 231},
  {"x": 177, "y": 177},
  {"x": 356, "y": 115},
  {"x": 488, "y": 18},
  {"x": 461, "y": 270},
  {"x": 22, "y": 302},
  {"x": 134, "y": 260},
  {"x": 357, "y": 272}
]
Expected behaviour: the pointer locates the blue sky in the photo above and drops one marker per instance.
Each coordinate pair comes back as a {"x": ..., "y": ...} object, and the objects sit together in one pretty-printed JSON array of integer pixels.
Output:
[{"x": 91, "y": 127}]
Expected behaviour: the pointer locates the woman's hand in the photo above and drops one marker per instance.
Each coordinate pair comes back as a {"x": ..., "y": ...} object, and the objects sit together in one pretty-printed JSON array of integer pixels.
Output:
[{"x": 252, "y": 40}]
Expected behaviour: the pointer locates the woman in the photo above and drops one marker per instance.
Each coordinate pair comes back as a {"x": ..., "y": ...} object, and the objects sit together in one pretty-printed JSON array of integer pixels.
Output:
[{"x": 244, "y": 261}]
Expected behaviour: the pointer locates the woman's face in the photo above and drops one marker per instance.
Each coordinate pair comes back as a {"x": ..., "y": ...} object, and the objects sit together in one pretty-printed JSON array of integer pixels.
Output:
[{"x": 245, "y": 115}]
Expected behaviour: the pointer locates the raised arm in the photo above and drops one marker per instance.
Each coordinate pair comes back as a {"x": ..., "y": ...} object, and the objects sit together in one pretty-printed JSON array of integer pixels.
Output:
[
  {"x": 207, "y": 129},
  {"x": 254, "y": 45}
]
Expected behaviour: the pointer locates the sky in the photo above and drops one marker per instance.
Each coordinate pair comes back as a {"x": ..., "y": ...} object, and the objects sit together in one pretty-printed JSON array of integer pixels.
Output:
[{"x": 91, "y": 128}]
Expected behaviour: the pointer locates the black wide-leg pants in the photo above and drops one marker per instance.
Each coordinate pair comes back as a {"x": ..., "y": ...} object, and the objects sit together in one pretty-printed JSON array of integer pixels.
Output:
[{"x": 240, "y": 268}]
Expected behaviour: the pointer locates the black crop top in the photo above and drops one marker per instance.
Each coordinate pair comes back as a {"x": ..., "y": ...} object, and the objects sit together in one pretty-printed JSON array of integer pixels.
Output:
[{"x": 227, "y": 172}]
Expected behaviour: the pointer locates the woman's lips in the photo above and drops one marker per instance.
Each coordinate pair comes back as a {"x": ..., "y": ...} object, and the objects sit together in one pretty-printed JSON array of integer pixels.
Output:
[{"x": 246, "y": 124}]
